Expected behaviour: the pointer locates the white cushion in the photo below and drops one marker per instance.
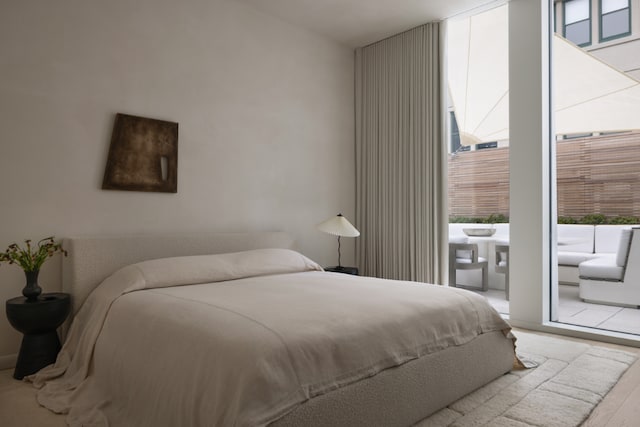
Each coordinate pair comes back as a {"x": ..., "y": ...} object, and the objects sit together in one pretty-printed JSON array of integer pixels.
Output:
[
  {"x": 468, "y": 260},
  {"x": 604, "y": 267},
  {"x": 623, "y": 247},
  {"x": 574, "y": 258},
  {"x": 501, "y": 257},
  {"x": 575, "y": 238},
  {"x": 608, "y": 237}
]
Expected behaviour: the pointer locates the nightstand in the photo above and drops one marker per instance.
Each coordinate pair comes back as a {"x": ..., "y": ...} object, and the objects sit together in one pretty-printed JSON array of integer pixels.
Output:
[
  {"x": 38, "y": 321},
  {"x": 342, "y": 269}
]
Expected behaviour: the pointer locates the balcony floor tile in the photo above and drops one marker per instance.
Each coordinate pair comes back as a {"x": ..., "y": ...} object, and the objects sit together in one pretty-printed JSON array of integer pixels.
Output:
[{"x": 574, "y": 311}]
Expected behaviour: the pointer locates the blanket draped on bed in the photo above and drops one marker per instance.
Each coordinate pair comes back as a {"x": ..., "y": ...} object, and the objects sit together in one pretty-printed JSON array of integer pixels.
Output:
[{"x": 242, "y": 339}]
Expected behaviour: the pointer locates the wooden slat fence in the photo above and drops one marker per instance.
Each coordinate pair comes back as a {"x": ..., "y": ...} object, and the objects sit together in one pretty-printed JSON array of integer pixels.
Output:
[{"x": 595, "y": 175}]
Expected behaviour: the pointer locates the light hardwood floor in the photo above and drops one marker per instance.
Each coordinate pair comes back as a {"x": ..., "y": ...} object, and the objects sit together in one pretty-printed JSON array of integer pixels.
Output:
[{"x": 619, "y": 408}]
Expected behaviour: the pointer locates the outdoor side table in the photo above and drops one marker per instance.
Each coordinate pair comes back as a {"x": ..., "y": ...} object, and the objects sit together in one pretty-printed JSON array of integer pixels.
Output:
[{"x": 38, "y": 321}]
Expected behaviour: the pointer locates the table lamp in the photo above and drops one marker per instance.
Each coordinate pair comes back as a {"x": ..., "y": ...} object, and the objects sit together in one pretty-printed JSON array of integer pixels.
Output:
[{"x": 341, "y": 227}]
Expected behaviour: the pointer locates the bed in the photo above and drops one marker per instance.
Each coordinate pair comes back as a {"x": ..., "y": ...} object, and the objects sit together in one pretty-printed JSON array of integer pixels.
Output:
[{"x": 240, "y": 329}]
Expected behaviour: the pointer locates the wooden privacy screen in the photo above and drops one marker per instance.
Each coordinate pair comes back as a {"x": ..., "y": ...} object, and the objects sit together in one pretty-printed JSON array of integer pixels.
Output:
[
  {"x": 596, "y": 175},
  {"x": 479, "y": 183},
  {"x": 143, "y": 155}
]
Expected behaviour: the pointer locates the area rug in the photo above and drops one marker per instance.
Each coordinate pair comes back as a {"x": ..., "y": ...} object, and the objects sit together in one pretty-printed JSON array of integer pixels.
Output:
[{"x": 568, "y": 381}]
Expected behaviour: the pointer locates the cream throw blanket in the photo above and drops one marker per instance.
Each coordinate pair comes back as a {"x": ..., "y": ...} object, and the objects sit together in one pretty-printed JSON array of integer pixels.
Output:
[{"x": 243, "y": 340}]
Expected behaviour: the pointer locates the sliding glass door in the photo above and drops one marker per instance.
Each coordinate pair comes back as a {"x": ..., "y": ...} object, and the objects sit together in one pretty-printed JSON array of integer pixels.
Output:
[{"x": 597, "y": 132}]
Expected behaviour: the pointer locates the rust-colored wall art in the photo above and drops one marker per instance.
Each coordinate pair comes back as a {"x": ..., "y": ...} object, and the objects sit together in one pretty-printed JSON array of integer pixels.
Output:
[{"x": 143, "y": 155}]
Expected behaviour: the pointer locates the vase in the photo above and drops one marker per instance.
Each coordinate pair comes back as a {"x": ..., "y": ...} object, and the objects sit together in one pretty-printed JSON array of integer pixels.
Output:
[{"x": 31, "y": 289}]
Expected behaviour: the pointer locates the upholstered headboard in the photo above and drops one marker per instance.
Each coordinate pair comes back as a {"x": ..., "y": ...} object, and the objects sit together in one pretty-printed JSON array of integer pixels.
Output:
[{"x": 93, "y": 259}]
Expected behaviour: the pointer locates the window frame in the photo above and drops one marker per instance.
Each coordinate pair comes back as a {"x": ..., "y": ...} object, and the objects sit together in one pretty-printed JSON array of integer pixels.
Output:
[
  {"x": 590, "y": 19},
  {"x": 617, "y": 36}
]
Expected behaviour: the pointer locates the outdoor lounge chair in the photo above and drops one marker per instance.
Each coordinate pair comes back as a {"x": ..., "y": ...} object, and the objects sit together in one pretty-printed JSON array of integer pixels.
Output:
[
  {"x": 502, "y": 265},
  {"x": 464, "y": 256},
  {"x": 614, "y": 279}
]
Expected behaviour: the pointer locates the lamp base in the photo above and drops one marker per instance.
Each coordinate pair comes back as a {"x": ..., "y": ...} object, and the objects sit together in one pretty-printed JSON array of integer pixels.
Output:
[{"x": 343, "y": 269}]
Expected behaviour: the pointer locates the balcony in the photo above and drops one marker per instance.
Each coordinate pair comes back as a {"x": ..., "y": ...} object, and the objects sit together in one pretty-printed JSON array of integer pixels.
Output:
[
  {"x": 577, "y": 243},
  {"x": 572, "y": 310}
]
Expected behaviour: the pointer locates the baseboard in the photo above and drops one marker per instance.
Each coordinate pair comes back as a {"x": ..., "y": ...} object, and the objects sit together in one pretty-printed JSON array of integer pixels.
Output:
[{"x": 8, "y": 361}]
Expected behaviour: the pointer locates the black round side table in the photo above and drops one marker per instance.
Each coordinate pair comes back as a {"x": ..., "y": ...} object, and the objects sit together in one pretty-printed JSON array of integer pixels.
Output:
[{"x": 38, "y": 321}]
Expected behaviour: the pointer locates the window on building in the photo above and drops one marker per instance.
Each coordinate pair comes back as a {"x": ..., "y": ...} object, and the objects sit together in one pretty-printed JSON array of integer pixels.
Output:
[
  {"x": 577, "y": 21},
  {"x": 615, "y": 19},
  {"x": 577, "y": 135},
  {"x": 456, "y": 147},
  {"x": 485, "y": 145}
]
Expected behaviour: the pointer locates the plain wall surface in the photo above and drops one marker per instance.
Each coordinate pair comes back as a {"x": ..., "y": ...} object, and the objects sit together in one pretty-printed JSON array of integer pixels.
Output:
[
  {"x": 265, "y": 113},
  {"x": 531, "y": 245}
]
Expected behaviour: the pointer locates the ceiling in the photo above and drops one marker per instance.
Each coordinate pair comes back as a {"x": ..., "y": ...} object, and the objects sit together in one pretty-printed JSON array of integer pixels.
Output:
[{"x": 356, "y": 23}]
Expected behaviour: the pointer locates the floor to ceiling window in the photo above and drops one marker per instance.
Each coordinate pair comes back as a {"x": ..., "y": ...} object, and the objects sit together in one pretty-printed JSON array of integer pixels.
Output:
[
  {"x": 478, "y": 161},
  {"x": 596, "y": 67},
  {"x": 535, "y": 241},
  {"x": 509, "y": 130}
]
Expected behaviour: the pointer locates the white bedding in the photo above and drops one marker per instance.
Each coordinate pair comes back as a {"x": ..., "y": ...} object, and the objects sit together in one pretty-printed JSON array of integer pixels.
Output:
[{"x": 242, "y": 339}]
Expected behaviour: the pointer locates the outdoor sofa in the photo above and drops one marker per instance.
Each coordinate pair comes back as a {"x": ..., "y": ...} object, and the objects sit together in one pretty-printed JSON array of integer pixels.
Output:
[{"x": 576, "y": 243}]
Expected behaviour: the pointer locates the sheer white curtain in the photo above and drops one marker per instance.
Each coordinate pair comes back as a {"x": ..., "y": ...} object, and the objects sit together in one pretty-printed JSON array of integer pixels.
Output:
[{"x": 401, "y": 207}]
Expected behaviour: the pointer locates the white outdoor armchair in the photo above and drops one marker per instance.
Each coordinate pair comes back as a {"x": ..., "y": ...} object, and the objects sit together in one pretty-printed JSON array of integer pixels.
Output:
[
  {"x": 464, "y": 256},
  {"x": 502, "y": 265},
  {"x": 614, "y": 279}
]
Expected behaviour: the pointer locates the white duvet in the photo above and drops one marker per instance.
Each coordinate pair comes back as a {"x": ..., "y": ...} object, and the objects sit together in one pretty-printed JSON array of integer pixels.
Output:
[{"x": 242, "y": 339}]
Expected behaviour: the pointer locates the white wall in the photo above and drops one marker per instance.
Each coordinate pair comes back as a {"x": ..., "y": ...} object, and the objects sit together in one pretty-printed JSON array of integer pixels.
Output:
[{"x": 265, "y": 114}]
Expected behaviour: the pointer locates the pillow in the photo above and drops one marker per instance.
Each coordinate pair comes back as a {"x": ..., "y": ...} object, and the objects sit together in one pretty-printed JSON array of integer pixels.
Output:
[
  {"x": 191, "y": 270},
  {"x": 623, "y": 247}
]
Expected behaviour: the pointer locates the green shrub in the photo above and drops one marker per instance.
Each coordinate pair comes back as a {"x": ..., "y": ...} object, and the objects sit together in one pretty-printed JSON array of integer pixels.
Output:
[
  {"x": 593, "y": 219},
  {"x": 465, "y": 220},
  {"x": 567, "y": 220},
  {"x": 497, "y": 219},
  {"x": 624, "y": 220}
]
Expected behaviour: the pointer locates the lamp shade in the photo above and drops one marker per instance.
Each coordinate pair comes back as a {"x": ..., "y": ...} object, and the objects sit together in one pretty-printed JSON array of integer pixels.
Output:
[{"x": 338, "y": 226}]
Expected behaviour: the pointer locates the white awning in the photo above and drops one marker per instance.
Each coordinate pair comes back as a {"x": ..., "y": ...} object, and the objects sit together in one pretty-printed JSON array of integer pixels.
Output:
[{"x": 590, "y": 95}]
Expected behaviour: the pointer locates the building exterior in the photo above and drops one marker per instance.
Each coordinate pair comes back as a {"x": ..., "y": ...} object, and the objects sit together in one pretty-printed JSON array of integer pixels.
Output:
[
  {"x": 586, "y": 184},
  {"x": 607, "y": 29}
]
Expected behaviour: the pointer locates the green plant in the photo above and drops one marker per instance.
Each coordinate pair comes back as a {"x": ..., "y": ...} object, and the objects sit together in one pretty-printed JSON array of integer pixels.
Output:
[
  {"x": 465, "y": 220},
  {"x": 31, "y": 258},
  {"x": 624, "y": 220},
  {"x": 567, "y": 220},
  {"x": 497, "y": 219},
  {"x": 593, "y": 219}
]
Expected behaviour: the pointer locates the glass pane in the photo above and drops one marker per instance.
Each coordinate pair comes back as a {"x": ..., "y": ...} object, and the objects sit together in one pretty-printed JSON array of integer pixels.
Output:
[
  {"x": 576, "y": 10},
  {"x": 478, "y": 173},
  {"x": 597, "y": 178},
  {"x": 615, "y": 23},
  {"x": 612, "y": 5},
  {"x": 579, "y": 33}
]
